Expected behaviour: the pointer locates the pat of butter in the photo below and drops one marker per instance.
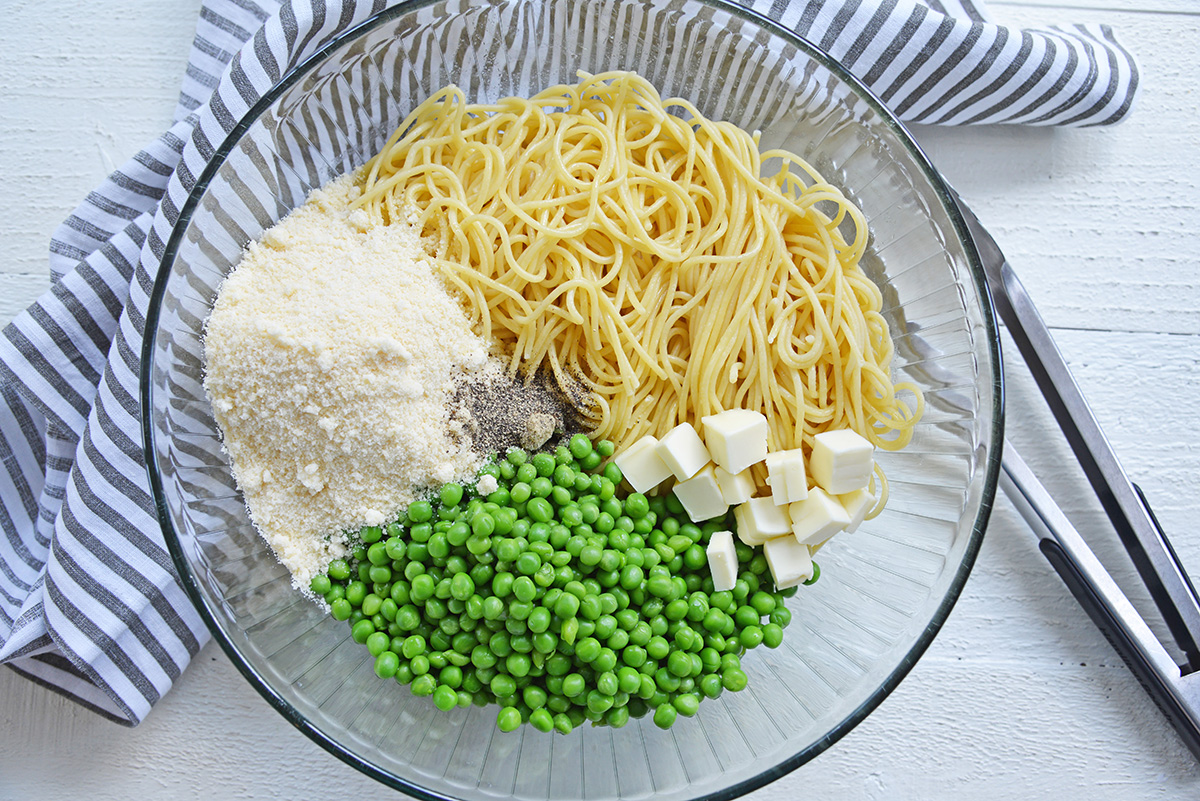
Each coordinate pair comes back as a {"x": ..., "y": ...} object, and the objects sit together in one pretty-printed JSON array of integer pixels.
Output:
[
  {"x": 856, "y": 504},
  {"x": 790, "y": 561},
  {"x": 641, "y": 465},
  {"x": 682, "y": 450},
  {"x": 701, "y": 496},
  {"x": 736, "y": 438},
  {"x": 722, "y": 560},
  {"x": 842, "y": 461},
  {"x": 735, "y": 487},
  {"x": 817, "y": 518},
  {"x": 759, "y": 519},
  {"x": 785, "y": 474}
]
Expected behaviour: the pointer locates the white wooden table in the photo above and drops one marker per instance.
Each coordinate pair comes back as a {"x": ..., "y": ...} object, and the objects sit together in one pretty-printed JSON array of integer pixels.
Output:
[{"x": 1019, "y": 697}]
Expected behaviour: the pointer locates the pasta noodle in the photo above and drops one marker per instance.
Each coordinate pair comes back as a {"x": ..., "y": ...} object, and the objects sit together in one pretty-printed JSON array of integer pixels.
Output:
[{"x": 636, "y": 250}]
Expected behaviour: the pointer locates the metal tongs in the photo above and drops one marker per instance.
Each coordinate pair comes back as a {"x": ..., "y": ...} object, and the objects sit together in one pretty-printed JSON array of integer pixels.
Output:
[{"x": 1174, "y": 687}]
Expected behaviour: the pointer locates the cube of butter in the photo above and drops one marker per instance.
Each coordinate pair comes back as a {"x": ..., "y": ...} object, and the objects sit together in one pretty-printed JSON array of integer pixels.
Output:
[
  {"x": 789, "y": 560},
  {"x": 785, "y": 474},
  {"x": 682, "y": 450},
  {"x": 759, "y": 519},
  {"x": 722, "y": 560},
  {"x": 736, "y": 438},
  {"x": 701, "y": 496},
  {"x": 817, "y": 518},
  {"x": 641, "y": 465},
  {"x": 735, "y": 487},
  {"x": 842, "y": 461},
  {"x": 856, "y": 504}
]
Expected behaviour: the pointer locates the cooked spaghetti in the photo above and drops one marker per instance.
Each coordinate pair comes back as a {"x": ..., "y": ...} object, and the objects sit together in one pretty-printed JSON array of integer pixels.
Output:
[{"x": 638, "y": 252}]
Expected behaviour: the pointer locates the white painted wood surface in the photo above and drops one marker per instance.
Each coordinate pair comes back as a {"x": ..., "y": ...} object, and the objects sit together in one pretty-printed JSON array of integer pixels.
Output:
[{"x": 1019, "y": 697}]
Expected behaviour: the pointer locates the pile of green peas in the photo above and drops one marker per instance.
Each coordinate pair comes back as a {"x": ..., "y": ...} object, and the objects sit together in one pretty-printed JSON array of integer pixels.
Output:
[{"x": 554, "y": 597}]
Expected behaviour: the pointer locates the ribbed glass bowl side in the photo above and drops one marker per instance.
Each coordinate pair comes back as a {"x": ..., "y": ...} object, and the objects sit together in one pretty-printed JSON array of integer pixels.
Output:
[{"x": 884, "y": 590}]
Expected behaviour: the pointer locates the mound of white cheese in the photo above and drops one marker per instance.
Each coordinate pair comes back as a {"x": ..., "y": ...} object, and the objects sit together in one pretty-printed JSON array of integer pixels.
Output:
[{"x": 331, "y": 357}]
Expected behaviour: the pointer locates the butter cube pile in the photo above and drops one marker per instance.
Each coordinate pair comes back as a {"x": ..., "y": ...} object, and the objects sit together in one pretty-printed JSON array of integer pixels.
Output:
[{"x": 800, "y": 510}]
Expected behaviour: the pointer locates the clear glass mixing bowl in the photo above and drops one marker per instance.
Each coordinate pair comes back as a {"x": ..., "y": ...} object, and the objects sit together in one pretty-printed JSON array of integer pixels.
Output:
[{"x": 885, "y": 590}]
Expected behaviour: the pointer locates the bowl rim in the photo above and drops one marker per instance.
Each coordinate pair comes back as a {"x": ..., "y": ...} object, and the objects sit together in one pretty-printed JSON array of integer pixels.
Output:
[{"x": 188, "y": 578}]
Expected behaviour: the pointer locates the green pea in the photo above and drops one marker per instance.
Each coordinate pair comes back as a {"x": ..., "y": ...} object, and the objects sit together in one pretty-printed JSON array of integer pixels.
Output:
[
  {"x": 657, "y": 648},
  {"x": 679, "y": 663},
  {"x": 539, "y": 620},
  {"x": 540, "y": 510},
  {"x": 567, "y": 606},
  {"x": 528, "y": 563},
  {"x": 508, "y": 719},
  {"x": 588, "y": 649},
  {"x": 661, "y": 587},
  {"x": 763, "y": 603},
  {"x": 408, "y": 617},
  {"x": 751, "y": 636},
  {"x": 320, "y": 584},
  {"x": 542, "y": 720},
  {"x": 462, "y": 587},
  {"x": 598, "y": 702},
  {"x": 580, "y": 446},
  {"x": 451, "y": 676},
  {"x": 394, "y": 547},
  {"x": 634, "y": 655},
  {"x": 607, "y": 660},
  {"x": 664, "y": 716},
  {"x": 420, "y": 511},
  {"x": 458, "y": 533},
  {"x": 482, "y": 657},
  {"x": 482, "y": 525},
  {"x": 781, "y": 616},
  {"x": 386, "y": 665},
  {"x": 570, "y": 628},
  {"x": 564, "y": 476},
  {"x": 687, "y": 704},
  {"x": 502, "y": 685},
  {"x": 371, "y": 604},
  {"x": 521, "y": 492},
  {"x": 518, "y": 664},
  {"x": 746, "y": 616},
  {"x": 543, "y": 463},
  {"x": 493, "y": 607},
  {"x": 339, "y": 570},
  {"x": 362, "y": 630},
  {"x": 502, "y": 584},
  {"x": 772, "y": 635},
  {"x": 816, "y": 575},
  {"x": 733, "y": 679},
  {"x": 534, "y": 697},
  {"x": 524, "y": 589},
  {"x": 573, "y": 685},
  {"x": 526, "y": 473},
  {"x": 341, "y": 609},
  {"x": 423, "y": 587}
]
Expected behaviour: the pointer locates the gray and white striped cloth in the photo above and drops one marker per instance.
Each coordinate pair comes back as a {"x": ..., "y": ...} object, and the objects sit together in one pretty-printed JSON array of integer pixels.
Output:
[{"x": 90, "y": 603}]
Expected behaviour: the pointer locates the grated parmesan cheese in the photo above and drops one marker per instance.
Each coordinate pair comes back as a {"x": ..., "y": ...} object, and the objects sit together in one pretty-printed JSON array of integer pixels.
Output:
[{"x": 331, "y": 357}]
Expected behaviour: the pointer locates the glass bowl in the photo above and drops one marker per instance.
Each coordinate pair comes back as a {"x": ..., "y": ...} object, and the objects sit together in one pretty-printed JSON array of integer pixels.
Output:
[{"x": 885, "y": 590}]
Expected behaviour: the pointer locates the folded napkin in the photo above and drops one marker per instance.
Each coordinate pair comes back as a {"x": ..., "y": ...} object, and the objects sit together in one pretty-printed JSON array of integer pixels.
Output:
[{"x": 90, "y": 602}]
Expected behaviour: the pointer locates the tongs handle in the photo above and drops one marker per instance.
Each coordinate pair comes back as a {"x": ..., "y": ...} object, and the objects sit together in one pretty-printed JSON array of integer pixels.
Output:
[
  {"x": 1103, "y": 600},
  {"x": 1156, "y": 684},
  {"x": 1140, "y": 533}
]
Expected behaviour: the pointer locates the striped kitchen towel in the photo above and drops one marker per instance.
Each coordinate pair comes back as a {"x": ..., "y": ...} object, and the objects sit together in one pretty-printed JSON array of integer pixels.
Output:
[{"x": 90, "y": 603}]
